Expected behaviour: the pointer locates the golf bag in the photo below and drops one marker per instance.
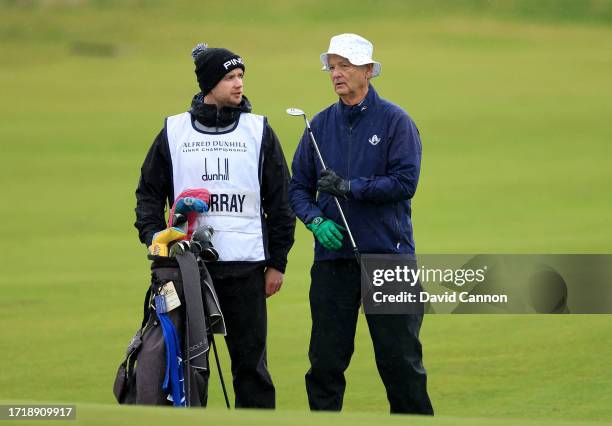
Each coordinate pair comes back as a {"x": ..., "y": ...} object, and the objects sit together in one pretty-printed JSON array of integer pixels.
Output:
[{"x": 166, "y": 361}]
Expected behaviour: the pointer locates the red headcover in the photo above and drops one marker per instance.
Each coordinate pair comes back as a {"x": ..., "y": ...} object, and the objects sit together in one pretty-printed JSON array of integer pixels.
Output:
[{"x": 200, "y": 193}]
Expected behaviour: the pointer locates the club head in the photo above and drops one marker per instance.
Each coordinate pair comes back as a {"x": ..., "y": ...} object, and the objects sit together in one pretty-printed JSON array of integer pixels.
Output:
[
  {"x": 203, "y": 237},
  {"x": 179, "y": 219},
  {"x": 179, "y": 248},
  {"x": 209, "y": 254},
  {"x": 203, "y": 234},
  {"x": 295, "y": 112}
]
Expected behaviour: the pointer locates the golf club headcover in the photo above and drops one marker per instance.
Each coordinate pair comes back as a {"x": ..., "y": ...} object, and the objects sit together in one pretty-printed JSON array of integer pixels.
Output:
[
  {"x": 327, "y": 232},
  {"x": 162, "y": 239},
  {"x": 333, "y": 184},
  {"x": 189, "y": 203}
]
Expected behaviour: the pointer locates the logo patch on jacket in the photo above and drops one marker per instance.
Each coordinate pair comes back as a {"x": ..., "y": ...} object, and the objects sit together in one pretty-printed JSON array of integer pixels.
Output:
[{"x": 374, "y": 140}]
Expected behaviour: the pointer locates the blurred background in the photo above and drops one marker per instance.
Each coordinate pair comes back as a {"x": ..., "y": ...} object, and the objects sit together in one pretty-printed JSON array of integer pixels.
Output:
[{"x": 513, "y": 100}]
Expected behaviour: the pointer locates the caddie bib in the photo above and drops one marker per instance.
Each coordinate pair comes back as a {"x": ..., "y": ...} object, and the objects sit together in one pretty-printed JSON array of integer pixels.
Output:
[{"x": 227, "y": 164}]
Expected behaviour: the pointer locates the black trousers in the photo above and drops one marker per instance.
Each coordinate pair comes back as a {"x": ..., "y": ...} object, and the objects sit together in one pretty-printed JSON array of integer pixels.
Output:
[
  {"x": 243, "y": 303},
  {"x": 335, "y": 297}
]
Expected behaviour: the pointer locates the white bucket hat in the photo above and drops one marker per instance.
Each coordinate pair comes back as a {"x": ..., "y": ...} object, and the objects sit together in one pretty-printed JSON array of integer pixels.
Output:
[{"x": 355, "y": 48}]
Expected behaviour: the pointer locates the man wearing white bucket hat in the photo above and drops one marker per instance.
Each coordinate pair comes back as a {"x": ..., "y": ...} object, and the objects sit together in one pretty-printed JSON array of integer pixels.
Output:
[{"x": 372, "y": 152}]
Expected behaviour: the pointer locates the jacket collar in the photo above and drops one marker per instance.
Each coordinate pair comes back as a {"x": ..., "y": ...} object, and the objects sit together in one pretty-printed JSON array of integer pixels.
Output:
[
  {"x": 210, "y": 116},
  {"x": 352, "y": 113}
]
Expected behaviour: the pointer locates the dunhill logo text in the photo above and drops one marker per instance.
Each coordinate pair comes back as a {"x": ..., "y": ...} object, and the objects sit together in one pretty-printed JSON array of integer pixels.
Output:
[{"x": 219, "y": 175}]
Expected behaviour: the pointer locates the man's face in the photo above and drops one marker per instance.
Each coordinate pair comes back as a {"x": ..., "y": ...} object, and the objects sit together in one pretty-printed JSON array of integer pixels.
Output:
[
  {"x": 350, "y": 81},
  {"x": 229, "y": 90}
]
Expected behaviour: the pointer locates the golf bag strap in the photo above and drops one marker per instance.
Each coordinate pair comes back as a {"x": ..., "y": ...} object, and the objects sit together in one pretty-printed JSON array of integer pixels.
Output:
[
  {"x": 125, "y": 374},
  {"x": 194, "y": 308},
  {"x": 216, "y": 322},
  {"x": 131, "y": 355},
  {"x": 146, "y": 309}
]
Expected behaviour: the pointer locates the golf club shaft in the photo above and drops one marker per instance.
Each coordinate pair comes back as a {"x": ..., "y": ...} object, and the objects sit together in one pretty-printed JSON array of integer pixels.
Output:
[
  {"x": 348, "y": 229},
  {"x": 314, "y": 142},
  {"x": 214, "y": 346},
  {"x": 212, "y": 340}
]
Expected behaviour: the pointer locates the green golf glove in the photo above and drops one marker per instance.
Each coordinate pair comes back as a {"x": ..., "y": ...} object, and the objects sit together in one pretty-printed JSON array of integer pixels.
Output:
[{"x": 327, "y": 232}]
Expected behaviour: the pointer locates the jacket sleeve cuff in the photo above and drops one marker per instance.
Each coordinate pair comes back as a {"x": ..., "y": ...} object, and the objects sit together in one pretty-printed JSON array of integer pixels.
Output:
[
  {"x": 278, "y": 264},
  {"x": 148, "y": 239},
  {"x": 357, "y": 187},
  {"x": 309, "y": 217}
]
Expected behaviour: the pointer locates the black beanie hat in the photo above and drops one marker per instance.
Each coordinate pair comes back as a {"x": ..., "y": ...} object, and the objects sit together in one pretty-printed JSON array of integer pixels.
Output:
[{"x": 211, "y": 64}]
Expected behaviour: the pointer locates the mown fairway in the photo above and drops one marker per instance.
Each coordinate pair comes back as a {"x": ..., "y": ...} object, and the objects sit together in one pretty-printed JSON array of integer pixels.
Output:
[{"x": 513, "y": 101}]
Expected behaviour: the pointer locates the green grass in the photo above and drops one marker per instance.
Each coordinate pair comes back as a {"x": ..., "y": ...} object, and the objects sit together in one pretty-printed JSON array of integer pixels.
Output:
[
  {"x": 513, "y": 100},
  {"x": 95, "y": 414}
]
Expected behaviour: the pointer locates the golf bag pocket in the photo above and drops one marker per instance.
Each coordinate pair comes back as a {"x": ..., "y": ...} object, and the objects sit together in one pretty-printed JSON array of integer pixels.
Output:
[{"x": 124, "y": 387}]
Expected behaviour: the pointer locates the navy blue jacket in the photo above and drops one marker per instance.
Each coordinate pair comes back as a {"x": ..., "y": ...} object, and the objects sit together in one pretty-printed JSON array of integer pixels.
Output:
[{"x": 376, "y": 146}]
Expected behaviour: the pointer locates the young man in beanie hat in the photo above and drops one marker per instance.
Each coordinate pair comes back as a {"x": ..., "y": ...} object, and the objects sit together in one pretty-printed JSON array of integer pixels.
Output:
[
  {"x": 373, "y": 151},
  {"x": 219, "y": 145}
]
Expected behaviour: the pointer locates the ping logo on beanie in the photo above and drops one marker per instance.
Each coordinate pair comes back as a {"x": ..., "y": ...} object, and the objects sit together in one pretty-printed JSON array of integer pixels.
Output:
[
  {"x": 212, "y": 63},
  {"x": 234, "y": 63}
]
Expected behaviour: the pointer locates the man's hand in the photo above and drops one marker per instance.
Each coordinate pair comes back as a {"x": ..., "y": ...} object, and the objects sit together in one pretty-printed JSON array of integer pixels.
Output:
[
  {"x": 274, "y": 280},
  {"x": 333, "y": 184},
  {"x": 327, "y": 232}
]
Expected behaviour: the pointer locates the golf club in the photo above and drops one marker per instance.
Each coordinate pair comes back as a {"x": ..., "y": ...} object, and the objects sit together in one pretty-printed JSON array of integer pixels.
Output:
[
  {"x": 214, "y": 346},
  {"x": 297, "y": 112},
  {"x": 203, "y": 236}
]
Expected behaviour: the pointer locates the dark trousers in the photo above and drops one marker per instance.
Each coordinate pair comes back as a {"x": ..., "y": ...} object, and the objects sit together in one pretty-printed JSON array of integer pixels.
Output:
[
  {"x": 243, "y": 303},
  {"x": 335, "y": 296}
]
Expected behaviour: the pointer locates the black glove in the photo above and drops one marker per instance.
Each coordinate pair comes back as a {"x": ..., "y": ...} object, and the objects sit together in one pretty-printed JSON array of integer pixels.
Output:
[{"x": 333, "y": 184}]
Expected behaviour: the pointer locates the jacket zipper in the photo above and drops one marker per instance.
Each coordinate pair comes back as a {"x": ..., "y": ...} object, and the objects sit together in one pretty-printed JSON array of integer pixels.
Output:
[
  {"x": 397, "y": 225},
  {"x": 348, "y": 172}
]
